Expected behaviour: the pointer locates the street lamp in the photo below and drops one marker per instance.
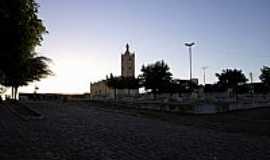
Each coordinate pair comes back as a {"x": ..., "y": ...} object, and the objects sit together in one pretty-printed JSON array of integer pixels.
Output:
[
  {"x": 189, "y": 45},
  {"x": 204, "y": 79}
]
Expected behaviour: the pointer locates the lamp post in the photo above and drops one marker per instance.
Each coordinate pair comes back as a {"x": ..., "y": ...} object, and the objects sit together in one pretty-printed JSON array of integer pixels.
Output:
[
  {"x": 189, "y": 45},
  {"x": 204, "y": 79},
  {"x": 251, "y": 83}
]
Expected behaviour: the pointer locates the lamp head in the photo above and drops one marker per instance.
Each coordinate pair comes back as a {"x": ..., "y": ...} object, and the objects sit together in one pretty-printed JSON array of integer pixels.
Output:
[{"x": 189, "y": 44}]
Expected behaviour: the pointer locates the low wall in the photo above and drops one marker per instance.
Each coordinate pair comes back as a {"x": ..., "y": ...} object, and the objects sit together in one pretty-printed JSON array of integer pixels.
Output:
[{"x": 195, "y": 108}]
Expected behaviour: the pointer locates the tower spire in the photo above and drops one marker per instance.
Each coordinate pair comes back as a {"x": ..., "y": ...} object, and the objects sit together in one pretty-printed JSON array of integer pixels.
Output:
[{"x": 127, "y": 48}]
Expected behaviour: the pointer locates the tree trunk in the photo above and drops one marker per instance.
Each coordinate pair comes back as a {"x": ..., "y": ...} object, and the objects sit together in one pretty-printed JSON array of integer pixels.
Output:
[
  {"x": 114, "y": 94},
  {"x": 12, "y": 92},
  {"x": 16, "y": 92},
  {"x": 235, "y": 93}
]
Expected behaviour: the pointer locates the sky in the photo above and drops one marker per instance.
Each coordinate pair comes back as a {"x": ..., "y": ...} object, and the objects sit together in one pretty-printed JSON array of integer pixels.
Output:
[{"x": 86, "y": 38}]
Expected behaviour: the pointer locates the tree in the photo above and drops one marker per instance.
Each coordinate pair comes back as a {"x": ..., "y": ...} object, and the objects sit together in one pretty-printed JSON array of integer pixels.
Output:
[
  {"x": 32, "y": 69},
  {"x": 175, "y": 86},
  {"x": 21, "y": 31},
  {"x": 231, "y": 78},
  {"x": 156, "y": 77},
  {"x": 265, "y": 77},
  {"x": 121, "y": 82},
  {"x": 2, "y": 76},
  {"x": 112, "y": 82}
]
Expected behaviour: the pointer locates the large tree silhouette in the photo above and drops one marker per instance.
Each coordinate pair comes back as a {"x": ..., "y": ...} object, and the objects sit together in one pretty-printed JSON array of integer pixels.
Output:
[
  {"x": 30, "y": 69},
  {"x": 231, "y": 78},
  {"x": 265, "y": 77},
  {"x": 156, "y": 77},
  {"x": 21, "y": 31}
]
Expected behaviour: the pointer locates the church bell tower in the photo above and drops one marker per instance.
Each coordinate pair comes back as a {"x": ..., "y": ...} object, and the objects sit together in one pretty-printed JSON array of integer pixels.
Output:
[{"x": 128, "y": 63}]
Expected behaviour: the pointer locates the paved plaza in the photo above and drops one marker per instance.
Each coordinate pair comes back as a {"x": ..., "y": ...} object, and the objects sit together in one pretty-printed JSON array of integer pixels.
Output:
[{"x": 87, "y": 132}]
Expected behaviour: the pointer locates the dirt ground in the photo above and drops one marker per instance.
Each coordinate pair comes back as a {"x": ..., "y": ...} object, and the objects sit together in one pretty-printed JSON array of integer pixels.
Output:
[{"x": 88, "y": 131}]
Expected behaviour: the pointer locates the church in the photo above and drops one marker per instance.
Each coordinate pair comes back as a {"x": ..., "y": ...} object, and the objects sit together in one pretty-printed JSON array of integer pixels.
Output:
[{"x": 101, "y": 89}]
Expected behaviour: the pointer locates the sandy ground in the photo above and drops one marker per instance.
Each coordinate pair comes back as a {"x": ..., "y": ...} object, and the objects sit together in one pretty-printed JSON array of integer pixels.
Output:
[{"x": 87, "y": 131}]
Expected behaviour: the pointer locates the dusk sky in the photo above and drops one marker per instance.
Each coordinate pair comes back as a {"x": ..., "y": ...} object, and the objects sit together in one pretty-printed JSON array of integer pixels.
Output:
[{"x": 86, "y": 38}]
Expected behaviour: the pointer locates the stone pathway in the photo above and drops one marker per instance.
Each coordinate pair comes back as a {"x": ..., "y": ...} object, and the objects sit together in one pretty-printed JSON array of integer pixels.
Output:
[{"x": 80, "y": 131}]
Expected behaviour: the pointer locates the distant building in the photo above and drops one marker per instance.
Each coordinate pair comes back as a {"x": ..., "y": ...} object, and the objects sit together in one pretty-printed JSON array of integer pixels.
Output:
[{"x": 101, "y": 89}]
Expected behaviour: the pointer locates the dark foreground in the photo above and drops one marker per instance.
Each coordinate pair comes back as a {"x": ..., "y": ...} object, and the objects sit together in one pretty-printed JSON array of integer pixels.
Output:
[{"x": 83, "y": 131}]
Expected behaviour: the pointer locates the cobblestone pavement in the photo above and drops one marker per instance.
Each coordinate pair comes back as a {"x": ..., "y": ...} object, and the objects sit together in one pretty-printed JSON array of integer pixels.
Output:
[{"x": 80, "y": 131}]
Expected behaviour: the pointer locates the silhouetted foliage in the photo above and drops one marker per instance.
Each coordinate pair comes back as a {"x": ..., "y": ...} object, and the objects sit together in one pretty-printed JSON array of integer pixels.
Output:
[
  {"x": 175, "y": 87},
  {"x": 111, "y": 81},
  {"x": 2, "y": 77},
  {"x": 21, "y": 31},
  {"x": 259, "y": 88},
  {"x": 211, "y": 88},
  {"x": 130, "y": 82},
  {"x": 265, "y": 78},
  {"x": 181, "y": 86},
  {"x": 244, "y": 89},
  {"x": 31, "y": 69},
  {"x": 123, "y": 82},
  {"x": 231, "y": 78},
  {"x": 156, "y": 77}
]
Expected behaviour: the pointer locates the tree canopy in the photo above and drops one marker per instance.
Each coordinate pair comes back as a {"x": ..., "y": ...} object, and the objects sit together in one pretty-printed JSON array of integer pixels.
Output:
[
  {"x": 231, "y": 78},
  {"x": 265, "y": 75},
  {"x": 265, "y": 78},
  {"x": 120, "y": 82},
  {"x": 156, "y": 77},
  {"x": 21, "y": 31}
]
